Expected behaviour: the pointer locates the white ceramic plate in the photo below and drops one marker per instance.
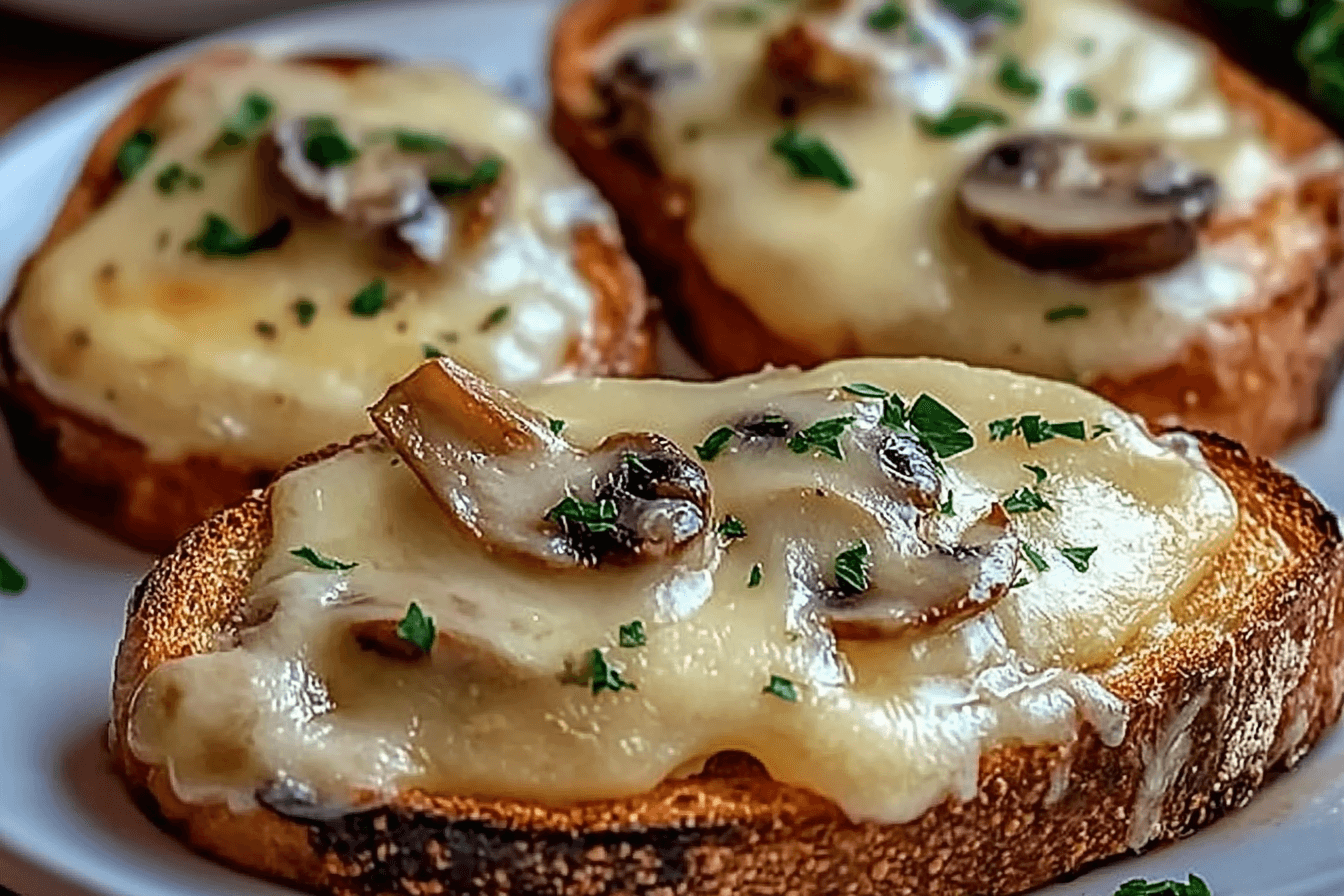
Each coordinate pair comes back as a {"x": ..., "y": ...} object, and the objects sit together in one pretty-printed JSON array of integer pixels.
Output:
[{"x": 66, "y": 826}]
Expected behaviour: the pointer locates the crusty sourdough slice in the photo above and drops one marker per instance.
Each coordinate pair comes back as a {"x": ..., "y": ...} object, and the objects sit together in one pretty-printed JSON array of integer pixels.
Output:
[
  {"x": 1265, "y": 379},
  {"x": 109, "y": 478},
  {"x": 1237, "y": 690}
]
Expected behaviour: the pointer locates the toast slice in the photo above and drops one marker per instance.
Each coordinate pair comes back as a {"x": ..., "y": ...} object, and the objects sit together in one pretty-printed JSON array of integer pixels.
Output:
[
  {"x": 1229, "y": 688},
  {"x": 163, "y": 385},
  {"x": 1259, "y": 369}
]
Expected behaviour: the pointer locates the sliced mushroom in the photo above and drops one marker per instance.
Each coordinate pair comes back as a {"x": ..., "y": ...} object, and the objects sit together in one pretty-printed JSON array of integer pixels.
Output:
[
  {"x": 291, "y": 798},
  {"x": 627, "y": 87},
  {"x": 805, "y": 62},
  {"x": 495, "y": 466},
  {"x": 379, "y": 188},
  {"x": 1086, "y": 208}
]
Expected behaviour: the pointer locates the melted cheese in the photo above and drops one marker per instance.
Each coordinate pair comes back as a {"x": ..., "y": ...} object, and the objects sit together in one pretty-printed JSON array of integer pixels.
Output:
[
  {"x": 882, "y": 269},
  {"x": 885, "y": 728},
  {"x": 121, "y": 322}
]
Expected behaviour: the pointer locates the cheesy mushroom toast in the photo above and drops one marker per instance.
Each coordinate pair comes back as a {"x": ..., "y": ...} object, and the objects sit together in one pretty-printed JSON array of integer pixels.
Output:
[
  {"x": 885, "y": 626},
  {"x": 257, "y": 247},
  {"x": 1064, "y": 188}
]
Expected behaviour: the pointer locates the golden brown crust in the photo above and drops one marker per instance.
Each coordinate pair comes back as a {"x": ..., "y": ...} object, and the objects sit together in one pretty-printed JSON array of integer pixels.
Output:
[
  {"x": 1242, "y": 687},
  {"x": 108, "y": 478},
  {"x": 1267, "y": 385}
]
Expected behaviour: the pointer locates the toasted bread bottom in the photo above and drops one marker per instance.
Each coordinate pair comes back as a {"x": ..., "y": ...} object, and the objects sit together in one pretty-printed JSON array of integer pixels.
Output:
[
  {"x": 1265, "y": 380},
  {"x": 1241, "y": 688}
]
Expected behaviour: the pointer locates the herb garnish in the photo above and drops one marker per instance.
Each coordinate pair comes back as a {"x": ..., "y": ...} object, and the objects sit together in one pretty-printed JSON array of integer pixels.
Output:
[
  {"x": 632, "y": 634},
  {"x": 754, "y": 577},
  {"x": 555, "y": 425},
  {"x": 732, "y": 528},
  {"x": 253, "y": 111},
  {"x": 1100, "y": 429},
  {"x": 603, "y": 677},
  {"x": 11, "y": 580},
  {"x": 174, "y": 175},
  {"x": 418, "y": 141},
  {"x": 811, "y": 159},
  {"x": 1065, "y": 312},
  {"x": 946, "y": 507},
  {"x": 430, "y": 351},
  {"x": 630, "y": 459},
  {"x": 371, "y": 299},
  {"x": 1127, "y": 115},
  {"x": 1193, "y": 887},
  {"x": 1081, "y": 101},
  {"x": 265, "y": 329},
  {"x": 218, "y": 239},
  {"x": 494, "y": 318},
  {"x": 1038, "y": 472},
  {"x": 1017, "y": 80},
  {"x": 744, "y": 14},
  {"x": 304, "y": 311},
  {"x": 1025, "y": 500},
  {"x": 945, "y": 432},
  {"x": 484, "y": 173},
  {"x": 595, "y": 516},
  {"x": 714, "y": 443},
  {"x": 324, "y": 145},
  {"x": 962, "y": 119},
  {"x": 1034, "y": 557},
  {"x": 887, "y": 17},
  {"x": 782, "y": 688},
  {"x": 1079, "y": 558},
  {"x": 865, "y": 390},
  {"x": 851, "y": 569},
  {"x": 1007, "y": 11},
  {"x": 417, "y": 628},
  {"x": 134, "y": 153},
  {"x": 822, "y": 436},
  {"x": 1087, "y": 46},
  {"x": 321, "y": 561},
  {"x": 1036, "y": 430}
]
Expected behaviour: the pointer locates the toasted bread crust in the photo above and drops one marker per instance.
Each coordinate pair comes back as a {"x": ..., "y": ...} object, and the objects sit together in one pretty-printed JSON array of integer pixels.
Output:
[
  {"x": 1265, "y": 381},
  {"x": 109, "y": 479},
  {"x": 1242, "y": 687}
]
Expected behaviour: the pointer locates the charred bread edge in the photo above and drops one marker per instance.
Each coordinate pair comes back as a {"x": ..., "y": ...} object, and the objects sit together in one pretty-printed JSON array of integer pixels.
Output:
[
  {"x": 108, "y": 479},
  {"x": 1215, "y": 712},
  {"x": 1266, "y": 382}
]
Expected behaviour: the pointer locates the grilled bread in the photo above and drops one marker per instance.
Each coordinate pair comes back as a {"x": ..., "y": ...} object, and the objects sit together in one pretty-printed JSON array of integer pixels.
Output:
[
  {"x": 1069, "y": 189},
  {"x": 886, "y": 626},
  {"x": 257, "y": 247}
]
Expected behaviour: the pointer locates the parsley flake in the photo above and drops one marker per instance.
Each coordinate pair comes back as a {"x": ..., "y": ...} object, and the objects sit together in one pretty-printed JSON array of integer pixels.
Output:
[
  {"x": 218, "y": 238},
  {"x": 1081, "y": 102},
  {"x": 134, "y": 153},
  {"x": 174, "y": 175},
  {"x": 1007, "y": 11},
  {"x": 1021, "y": 580},
  {"x": 595, "y": 516},
  {"x": 714, "y": 443},
  {"x": 1002, "y": 429},
  {"x": 1025, "y": 500},
  {"x": 962, "y": 119},
  {"x": 822, "y": 436},
  {"x": 946, "y": 508},
  {"x": 556, "y": 425},
  {"x": 484, "y": 173},
  {"x": 893, "y": 414},
  {"x": 732, "y": 528},
  {"x": 1087, "y": 46},
  {"x": 851, "y": 569},
  {"x": 604, "y": 676},
  {"x": 304, "y": 311},
  {"x": 632, "y": 634},
  {"x": 754, "y": 577},
  {"x": 1100, "y": 429},
  {"x": 431, "y": 351},
  {"x": 945, "y": 432},
  {"x": 887, "y": 17},
  {"x": 1065, "y": 312},
  {"x": 782, "y": 688},
  {"x": 1079, "y": 558},
  {"x": 1035, "y": 429},
  {"x": 737, "y": 15},
  {"x": 1018, "y": 80},
  {"x": 418, "y": 141},
  {"x": 865, "y": 390},
  {"x": 1194, "y": 886},
  {"x": 417, "y": 628},
  {"x": 1038, "y": 472},
  {"x": 1034, "y": 558},
  {"x": 811, "y": 159},
  {"x": 324, "y": 145},
  {"x": 321, "y": 561},
  {"x": 253, "y": 111},
  {"x": 11, "y": 580},
  {"x": 494, "y": 318},
  {"x": 631, "y": 459},
  {"x": 370, "y": 300}
]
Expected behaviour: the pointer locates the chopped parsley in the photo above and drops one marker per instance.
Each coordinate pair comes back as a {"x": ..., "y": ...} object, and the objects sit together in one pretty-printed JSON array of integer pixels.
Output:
[
  {"x": 822, "y": 436},
  {"x": 484, "y": 173},
  {"x": 887, "y": 17},
  {"x": 1087, "y": 46},
  {"x": 744, "y": 14},
  {"x": 1081, "y": 102},
  {"x": 417, "y": 628},
  {"x": 1079, "y": 558},
  {"x": 1038, "y": 472},
  {"x": 1007, "y": 11},
  {"x": 218, "y": 238},
  {"x": 632, "y": 634},
  {"x": 304, "y": 311},
  {"x": 321, "y": 561},
  {"x": 811, "y": 159},
  {"x": 782, "y": 688},
  {"x": 865, "y": 390},
  {"x": 1192, "y": 887},
  {"x": 732, "y": 528},
  {"x": 1017, "y": 80},
  {"x": 371, "y": 299},
  {"x": 431, "y": 351},
  {"x": 418, "y": 141},
  {"x": 556, "y": 425},
  {"x": 893, "y": 414},
  {"x": 265, "y": 329},
  {"x": 1035, "y": 429},
  {"x": 1100, "y": 429},
  {"x": 1127, "y": 115},
  {"x": 851, "y": 569},
  {"x": 494, "y": 318},
  {"x": 595, "y": 516},
  {"x": 253, "y": 111},
  {"x": 134, "y": 153},
  {"x": 1025, "y": 500},
  {"x": 174, "y": 175},
  {"x": 602, "y": 676},
  {"x": 962, "y": 119},
  {"x": 324, "y": 145},
  {"x": 1065, "y": 312},
  {"x": 1034, "y": 558},
  {"x": 946, "y": 508},
  {"x": 714, "y": 443},
  {"x": 754, "y": 577},
  {"x": 631, "y": 459},
  {"x": 945, "y": 432},
  {"x": 11, "y": 580}
]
